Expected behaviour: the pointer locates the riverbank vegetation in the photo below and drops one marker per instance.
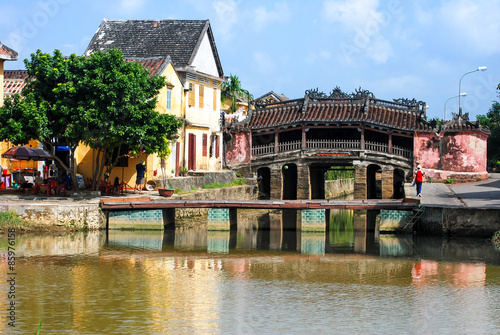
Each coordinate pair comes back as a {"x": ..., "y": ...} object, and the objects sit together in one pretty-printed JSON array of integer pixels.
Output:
[
  {"x": 236, "y": 182},
  {"x": 102, "y": 101},
  {"x": 492, "y": 121},
  {"x": 12, "y": 220},
  {"x": 496, "y": 240}
]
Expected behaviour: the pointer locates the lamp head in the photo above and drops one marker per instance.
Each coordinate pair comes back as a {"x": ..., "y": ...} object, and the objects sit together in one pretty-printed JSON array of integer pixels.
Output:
[
  {"x": 482, "y": 68},
  {"x": 463, "y": 94}
]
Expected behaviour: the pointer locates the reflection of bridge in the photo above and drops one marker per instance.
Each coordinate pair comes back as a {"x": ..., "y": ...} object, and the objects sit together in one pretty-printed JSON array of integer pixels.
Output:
[{"x": 223, "y": 213}]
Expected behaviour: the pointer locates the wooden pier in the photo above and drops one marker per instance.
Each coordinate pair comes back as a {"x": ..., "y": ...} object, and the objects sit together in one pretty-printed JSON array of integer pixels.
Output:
[{"x": 370, "y": 204}]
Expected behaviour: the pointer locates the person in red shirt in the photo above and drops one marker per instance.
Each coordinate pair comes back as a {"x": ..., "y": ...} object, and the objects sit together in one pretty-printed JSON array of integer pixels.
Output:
[{"x": 419, "y": 179}]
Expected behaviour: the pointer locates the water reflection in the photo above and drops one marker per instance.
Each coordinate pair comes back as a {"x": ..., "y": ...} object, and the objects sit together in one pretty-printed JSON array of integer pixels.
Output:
[{"x": 255, "y": 281}]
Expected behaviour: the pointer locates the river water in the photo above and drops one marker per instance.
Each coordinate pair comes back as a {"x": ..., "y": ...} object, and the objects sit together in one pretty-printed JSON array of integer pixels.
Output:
[{"x": 191, "y": 281}]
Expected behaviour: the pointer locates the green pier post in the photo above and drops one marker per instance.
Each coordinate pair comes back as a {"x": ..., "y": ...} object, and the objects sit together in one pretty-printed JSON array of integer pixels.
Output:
[{"x": 221, "y": 218}]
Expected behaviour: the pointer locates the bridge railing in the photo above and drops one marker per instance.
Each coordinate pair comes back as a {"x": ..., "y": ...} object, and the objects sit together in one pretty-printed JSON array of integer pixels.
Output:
[
  {"x": 400, "y": 151},
  {"x": 289, "y": 146},
  {"x": 265, "y": 149},
  {"x": 376, "y": 146},
  {"x": 332, "y": 144},
  {"x": 268, "y": 149}
]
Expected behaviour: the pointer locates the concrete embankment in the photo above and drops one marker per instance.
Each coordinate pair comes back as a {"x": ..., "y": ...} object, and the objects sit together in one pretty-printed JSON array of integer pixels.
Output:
[
  {"x": 453, "y": 221},
  {"x": 85, "y": 213},
  {"x": 465, "y": 209}
]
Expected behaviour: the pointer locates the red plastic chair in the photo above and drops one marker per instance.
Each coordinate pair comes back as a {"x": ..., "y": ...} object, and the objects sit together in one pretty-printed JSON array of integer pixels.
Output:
[
  {"x": 89, "y": 183},
  {"x": 105, "y": 188},
  {"x": 53, "y": 186}
]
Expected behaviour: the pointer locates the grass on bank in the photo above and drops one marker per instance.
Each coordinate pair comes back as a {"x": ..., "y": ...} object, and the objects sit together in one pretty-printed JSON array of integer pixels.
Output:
[
  {"x": 236, "y": 182},
  {"x": 11, "y": 219}
]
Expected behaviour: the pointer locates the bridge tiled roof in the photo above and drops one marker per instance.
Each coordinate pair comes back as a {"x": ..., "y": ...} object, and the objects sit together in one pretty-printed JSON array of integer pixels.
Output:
[{"x": 337, "y": 112}]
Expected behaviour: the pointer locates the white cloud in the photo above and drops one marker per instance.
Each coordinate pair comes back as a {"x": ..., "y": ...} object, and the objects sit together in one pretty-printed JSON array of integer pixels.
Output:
[
  {"x": 350, "y": 13},
  {"x": 380, "y": 50},
  {"x": 280, "y": 14},
  {"x": 130, "y": 5},
  {"x": 227, "y": 16},
  {"x": 473, "y": 24},
  {"x": 314, "y": 57},
  {"x": 365, "y": 20},
  {"x": 263, "y": 62}
]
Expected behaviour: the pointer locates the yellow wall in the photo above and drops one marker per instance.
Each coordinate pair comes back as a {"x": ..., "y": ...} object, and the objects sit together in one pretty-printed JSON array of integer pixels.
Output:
[
  {"x": 84, "y": 155},
  {"x": 202, "y": 117}
]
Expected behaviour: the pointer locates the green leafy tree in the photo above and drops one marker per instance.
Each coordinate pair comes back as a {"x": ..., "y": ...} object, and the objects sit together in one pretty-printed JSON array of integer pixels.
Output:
[
  {"x": 46, "y": 109},
  {"x": 100, "y": 100},
  {"x": 117, "y": 103},
  {"x": 232, "y": 89},
  {"x": 492, "y": 121}
]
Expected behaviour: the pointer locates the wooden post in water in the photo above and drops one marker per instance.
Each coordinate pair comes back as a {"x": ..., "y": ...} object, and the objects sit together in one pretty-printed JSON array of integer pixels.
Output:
[{"x": 169, "y": 218}]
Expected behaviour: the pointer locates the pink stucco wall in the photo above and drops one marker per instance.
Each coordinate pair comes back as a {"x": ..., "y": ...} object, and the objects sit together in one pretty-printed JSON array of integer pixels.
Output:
[
  {"x": 460, "y": 155},
  {"x": 238, "y": 149}
]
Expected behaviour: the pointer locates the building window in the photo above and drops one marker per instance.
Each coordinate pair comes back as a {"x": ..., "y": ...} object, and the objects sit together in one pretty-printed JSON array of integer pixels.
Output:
[
  {"x": 202, "y": 95},
  {"x": 169, "y": 99},
  {"x": 191, "y": 95}
]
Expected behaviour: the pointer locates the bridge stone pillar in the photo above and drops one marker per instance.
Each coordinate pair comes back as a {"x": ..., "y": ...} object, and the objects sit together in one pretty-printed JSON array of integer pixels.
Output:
[
  {"x": 221, "y": 218},
  {"x": 360, "y": 191},
  {"x": 303, "y": 183},
  {"x": 387, "y": 182},
  {"x": 276, "y": 183}
]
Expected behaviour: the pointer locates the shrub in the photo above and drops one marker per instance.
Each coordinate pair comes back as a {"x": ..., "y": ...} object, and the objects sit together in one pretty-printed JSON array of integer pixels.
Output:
[
  {"x": 12, "y": 219},
  {"x": 496, "y": 239}
]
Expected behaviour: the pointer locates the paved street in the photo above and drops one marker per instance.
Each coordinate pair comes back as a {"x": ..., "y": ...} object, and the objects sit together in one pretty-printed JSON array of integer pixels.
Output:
[{"x": 482, "y": 194}]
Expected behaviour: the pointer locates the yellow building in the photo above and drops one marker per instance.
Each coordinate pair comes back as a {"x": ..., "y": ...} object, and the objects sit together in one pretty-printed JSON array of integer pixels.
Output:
[
  {"x": 191, "y": 47},
  {"x": 170, "y": 101}
]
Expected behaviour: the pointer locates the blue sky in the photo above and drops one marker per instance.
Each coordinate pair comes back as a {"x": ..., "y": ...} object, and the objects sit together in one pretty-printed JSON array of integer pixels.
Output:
[{"x": 394, "y": 48}]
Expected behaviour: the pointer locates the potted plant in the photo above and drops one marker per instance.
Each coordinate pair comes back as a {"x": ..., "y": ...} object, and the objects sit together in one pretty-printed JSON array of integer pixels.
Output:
[
  {"x": 164, "y": 191},
  {"x": 184, "y": 172}
]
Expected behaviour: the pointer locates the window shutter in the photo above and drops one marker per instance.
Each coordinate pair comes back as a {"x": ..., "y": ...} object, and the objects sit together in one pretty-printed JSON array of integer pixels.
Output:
[
  {"x": 216, "y": 146},
  {"x": 215, "y": 98},
  {"x": 202, "y": 95},
  {"x": 205, "y": 140},
  {"x": 191, "y": 95}
]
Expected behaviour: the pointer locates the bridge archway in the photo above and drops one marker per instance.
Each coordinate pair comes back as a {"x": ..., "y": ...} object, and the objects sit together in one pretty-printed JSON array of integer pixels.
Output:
[
  {"x": 320, "y": 173},
  {"x": 289, "y": 172},
  {"x": 264, "y": 182},
  {"x": 398, "y": 184},
  {"x": 374, "y": 182}
]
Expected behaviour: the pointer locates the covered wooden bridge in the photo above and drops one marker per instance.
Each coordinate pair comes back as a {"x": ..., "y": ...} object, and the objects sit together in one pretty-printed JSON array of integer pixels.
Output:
[{"x": 290, "y": 145}]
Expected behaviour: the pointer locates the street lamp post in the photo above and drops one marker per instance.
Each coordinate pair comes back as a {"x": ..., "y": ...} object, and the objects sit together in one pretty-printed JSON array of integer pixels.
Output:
[
  {"x": 456, "y": 96},
  {"x": 481, "y": 68}
]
